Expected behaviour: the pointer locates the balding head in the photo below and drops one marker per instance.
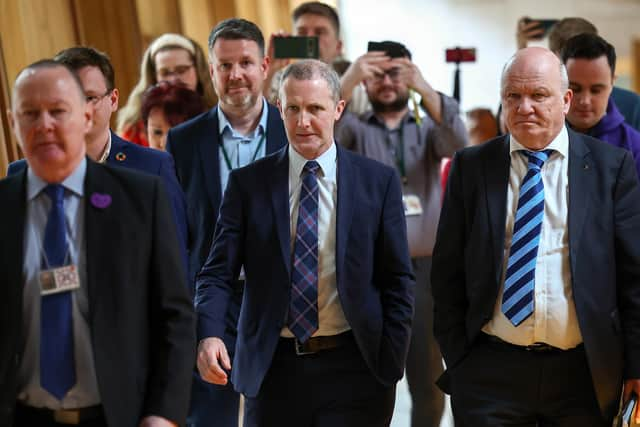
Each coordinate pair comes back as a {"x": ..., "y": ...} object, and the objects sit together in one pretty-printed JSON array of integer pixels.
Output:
[
  {"x": 535, "y": 96},
  {"x": 50, "y": 119}
]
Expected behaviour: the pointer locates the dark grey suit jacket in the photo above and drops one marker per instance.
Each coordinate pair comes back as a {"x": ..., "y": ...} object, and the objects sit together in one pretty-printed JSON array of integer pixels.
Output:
[{"x": 604, "y": 255}]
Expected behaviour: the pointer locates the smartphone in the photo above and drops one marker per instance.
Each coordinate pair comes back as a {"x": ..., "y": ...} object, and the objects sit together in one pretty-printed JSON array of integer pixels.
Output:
[
  {"x": 544, "y": 24},
  {"x": 295, "y": 47},
  {"x": 393, "y": 50},
  {"x": 461, "y": 54}
]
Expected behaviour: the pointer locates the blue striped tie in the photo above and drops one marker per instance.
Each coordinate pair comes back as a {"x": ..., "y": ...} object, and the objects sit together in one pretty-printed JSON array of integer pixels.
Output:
[
  {"x": 518, "y": 296},
  {"x": 303, "y": 306}
]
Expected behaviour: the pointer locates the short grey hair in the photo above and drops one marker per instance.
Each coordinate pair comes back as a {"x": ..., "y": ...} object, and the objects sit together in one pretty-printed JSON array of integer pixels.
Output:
[
  {"x": 310, "y": 69},
  {"x": 564, "y": 77}
]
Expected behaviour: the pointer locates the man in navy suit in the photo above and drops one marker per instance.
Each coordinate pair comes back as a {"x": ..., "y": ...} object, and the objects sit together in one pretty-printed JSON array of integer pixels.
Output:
[
  {"x": 326, "y": 316},
  {"x": 103, "y": 146},
  {"x": 536, "y": 268},
  {"x": 239, "y": 130}
]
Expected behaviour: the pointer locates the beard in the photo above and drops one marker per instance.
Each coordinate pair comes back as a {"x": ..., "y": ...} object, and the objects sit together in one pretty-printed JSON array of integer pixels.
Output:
[
  {"x": 396, "y": 105},
  {"x": 240, "y": 101}
]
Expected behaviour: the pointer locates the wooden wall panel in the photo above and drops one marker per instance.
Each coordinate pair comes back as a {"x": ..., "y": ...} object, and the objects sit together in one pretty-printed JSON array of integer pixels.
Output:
[
  {"x": 33, "y": 30},
  {"x": 635, "y": 64},
  {"x": 157, "y": 17},
  {"x": 200, "y": 16},
  {"x": 112, "y": 26}
]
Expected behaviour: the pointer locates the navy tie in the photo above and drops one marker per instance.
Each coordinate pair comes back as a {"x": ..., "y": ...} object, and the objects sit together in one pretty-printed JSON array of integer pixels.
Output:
[
  {"x": 303, "y": 306},
  {"x": 518, "y": 297},
  {"x": 57, "y": 366}
]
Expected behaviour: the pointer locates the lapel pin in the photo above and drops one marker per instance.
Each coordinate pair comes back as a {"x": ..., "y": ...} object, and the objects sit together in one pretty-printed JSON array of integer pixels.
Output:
[
  {"x": 100, "y": 200},
  {"x": 120, "y": 156}
]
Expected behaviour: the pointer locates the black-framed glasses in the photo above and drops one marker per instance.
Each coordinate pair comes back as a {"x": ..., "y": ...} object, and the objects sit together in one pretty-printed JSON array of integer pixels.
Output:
[{"x": 94, "y": 99}]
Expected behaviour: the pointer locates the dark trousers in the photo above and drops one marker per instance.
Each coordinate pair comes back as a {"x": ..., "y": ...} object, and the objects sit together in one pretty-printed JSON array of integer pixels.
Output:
[
  {"x": 31, "y": 417},
  {"x": 501, "y": 385},
  {"x": 211, "y": 404},
  {"x": 424, "y": 361},
  {"x": 332, "y": 388}
]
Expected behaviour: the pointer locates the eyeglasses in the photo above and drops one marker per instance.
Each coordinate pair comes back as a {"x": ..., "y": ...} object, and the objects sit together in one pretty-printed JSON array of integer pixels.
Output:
[
  {"x": 393, "y": 73},
  {"x": 180, "y": 70},
  {"x": 94, "y": 99}
]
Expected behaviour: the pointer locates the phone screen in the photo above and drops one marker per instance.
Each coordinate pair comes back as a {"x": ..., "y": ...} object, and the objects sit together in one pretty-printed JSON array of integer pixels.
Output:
[{"x": 295, "y": 47}]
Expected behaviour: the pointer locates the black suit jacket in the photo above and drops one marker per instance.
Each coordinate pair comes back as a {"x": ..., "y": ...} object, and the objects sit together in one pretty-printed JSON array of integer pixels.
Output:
[
  {"x": 141, "y": 319},
  {"x": 195, "y": 146},
  {"x": 604, "y": 255},
  {"x": 373, "y": 269}
]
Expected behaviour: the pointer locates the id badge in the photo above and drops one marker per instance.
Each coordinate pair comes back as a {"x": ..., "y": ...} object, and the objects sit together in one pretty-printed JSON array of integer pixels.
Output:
[
  {"x": 61, "y": 279},
  {"x": 412, "y": 205}
]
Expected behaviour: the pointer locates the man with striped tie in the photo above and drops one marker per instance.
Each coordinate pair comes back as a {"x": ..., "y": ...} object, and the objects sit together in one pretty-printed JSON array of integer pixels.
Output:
[{"x": 537, "y": 306}]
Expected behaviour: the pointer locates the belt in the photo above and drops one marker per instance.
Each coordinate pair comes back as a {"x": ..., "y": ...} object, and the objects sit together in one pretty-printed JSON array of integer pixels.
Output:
[
  {"x": 538, "y": 347},
  {"x": 321, "y": 343},
  {"x": 62, "y": 416}
]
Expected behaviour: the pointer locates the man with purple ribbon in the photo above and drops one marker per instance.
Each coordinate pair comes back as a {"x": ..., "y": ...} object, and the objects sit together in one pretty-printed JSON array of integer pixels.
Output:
[
  {"x": 97, "y": 327},
  {"x": 326, "y": 316},
  {"x": 536, "y": 268}
]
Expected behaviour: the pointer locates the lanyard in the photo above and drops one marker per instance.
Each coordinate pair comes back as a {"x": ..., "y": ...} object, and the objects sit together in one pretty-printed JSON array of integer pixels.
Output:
[
  {"x": 255, "y": 154},
  {"x": 399, "y": 153}
]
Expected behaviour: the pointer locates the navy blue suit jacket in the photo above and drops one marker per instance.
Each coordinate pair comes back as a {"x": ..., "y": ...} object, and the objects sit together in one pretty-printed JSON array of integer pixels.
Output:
[
  {"x": 373, "y": 268},
  {"x": 154, "y": 162},
  {"x": 195, "y": 146},
  {"x": 604, "y": 254}
]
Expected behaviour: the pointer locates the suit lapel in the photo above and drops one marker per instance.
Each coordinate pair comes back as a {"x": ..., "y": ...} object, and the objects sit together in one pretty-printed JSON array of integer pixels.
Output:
[
  {"x": 581, "y": 180},
  {"x": 98, "y": 226},
  {"x": 496, "y": 172},
  {"x": 276, "y": 137},
  {"x": 209, "y": 144},
  {"x": 13, "y": 223},
  {"x": 346, "y": 184},
  {"x": 280, "y": 200}
]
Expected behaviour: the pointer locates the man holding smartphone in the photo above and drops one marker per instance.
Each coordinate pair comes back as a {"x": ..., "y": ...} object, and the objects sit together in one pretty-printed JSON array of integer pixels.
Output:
[
  {"x": 414, "y": 145},
  {"x": 314, "y": 19}
]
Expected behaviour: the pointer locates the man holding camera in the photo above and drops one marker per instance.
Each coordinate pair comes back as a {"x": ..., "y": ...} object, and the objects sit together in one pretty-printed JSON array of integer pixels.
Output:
[{"x": 414, "y": 146}]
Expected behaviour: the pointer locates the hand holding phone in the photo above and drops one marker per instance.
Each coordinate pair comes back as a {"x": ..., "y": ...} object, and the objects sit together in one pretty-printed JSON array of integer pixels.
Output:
[{"x": 295, "y": 47}]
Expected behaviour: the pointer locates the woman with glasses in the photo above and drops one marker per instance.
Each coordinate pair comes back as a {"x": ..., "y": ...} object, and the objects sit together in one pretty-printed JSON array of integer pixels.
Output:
[{"x": 173, "y": 58}]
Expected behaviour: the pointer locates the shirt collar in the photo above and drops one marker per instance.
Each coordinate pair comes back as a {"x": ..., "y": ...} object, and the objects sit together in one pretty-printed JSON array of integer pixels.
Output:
[
  {"x": 560, "y": 143},
  {"x": 224, "y": 123},
  {"x": 107, "y": 151},
  {"x": 73, "y": 183},
  {"x": 327, "y": 161}
]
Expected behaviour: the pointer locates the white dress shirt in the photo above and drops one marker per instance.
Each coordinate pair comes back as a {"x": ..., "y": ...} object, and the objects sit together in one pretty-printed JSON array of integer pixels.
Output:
[
  {"x": 331, "y": 319},
  {"x": 554, "y": 318}
]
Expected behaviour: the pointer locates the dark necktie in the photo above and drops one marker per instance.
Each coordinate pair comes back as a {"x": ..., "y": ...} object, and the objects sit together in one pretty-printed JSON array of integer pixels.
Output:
[
  {"x": 519, "y": 284},
  {"x": 303, "y": 305},
  {"x": 57, "y": 366}
]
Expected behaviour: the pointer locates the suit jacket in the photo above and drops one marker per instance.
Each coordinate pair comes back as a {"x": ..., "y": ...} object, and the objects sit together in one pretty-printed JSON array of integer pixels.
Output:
[
  {"x": 195, "y": 146},
  {"x": 126, "y": 154},
  {"x": 373, "y": 269},
  {"x": 141, "y": 319},
  {"x": 604, "y": 253}
]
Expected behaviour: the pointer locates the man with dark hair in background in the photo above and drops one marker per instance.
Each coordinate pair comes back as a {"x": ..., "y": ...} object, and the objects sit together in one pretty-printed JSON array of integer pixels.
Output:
[
  {"x": 628, "y": 102},
  {"x": 591, "y": 65},
  {"x": 414, "y": 146},
  {"x": 242, "y": 128},
  {"x": 103, "y": 146}
]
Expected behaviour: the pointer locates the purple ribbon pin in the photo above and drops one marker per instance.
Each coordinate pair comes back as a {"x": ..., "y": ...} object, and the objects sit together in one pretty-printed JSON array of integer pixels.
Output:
[{"x": 100, "y": 200}]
